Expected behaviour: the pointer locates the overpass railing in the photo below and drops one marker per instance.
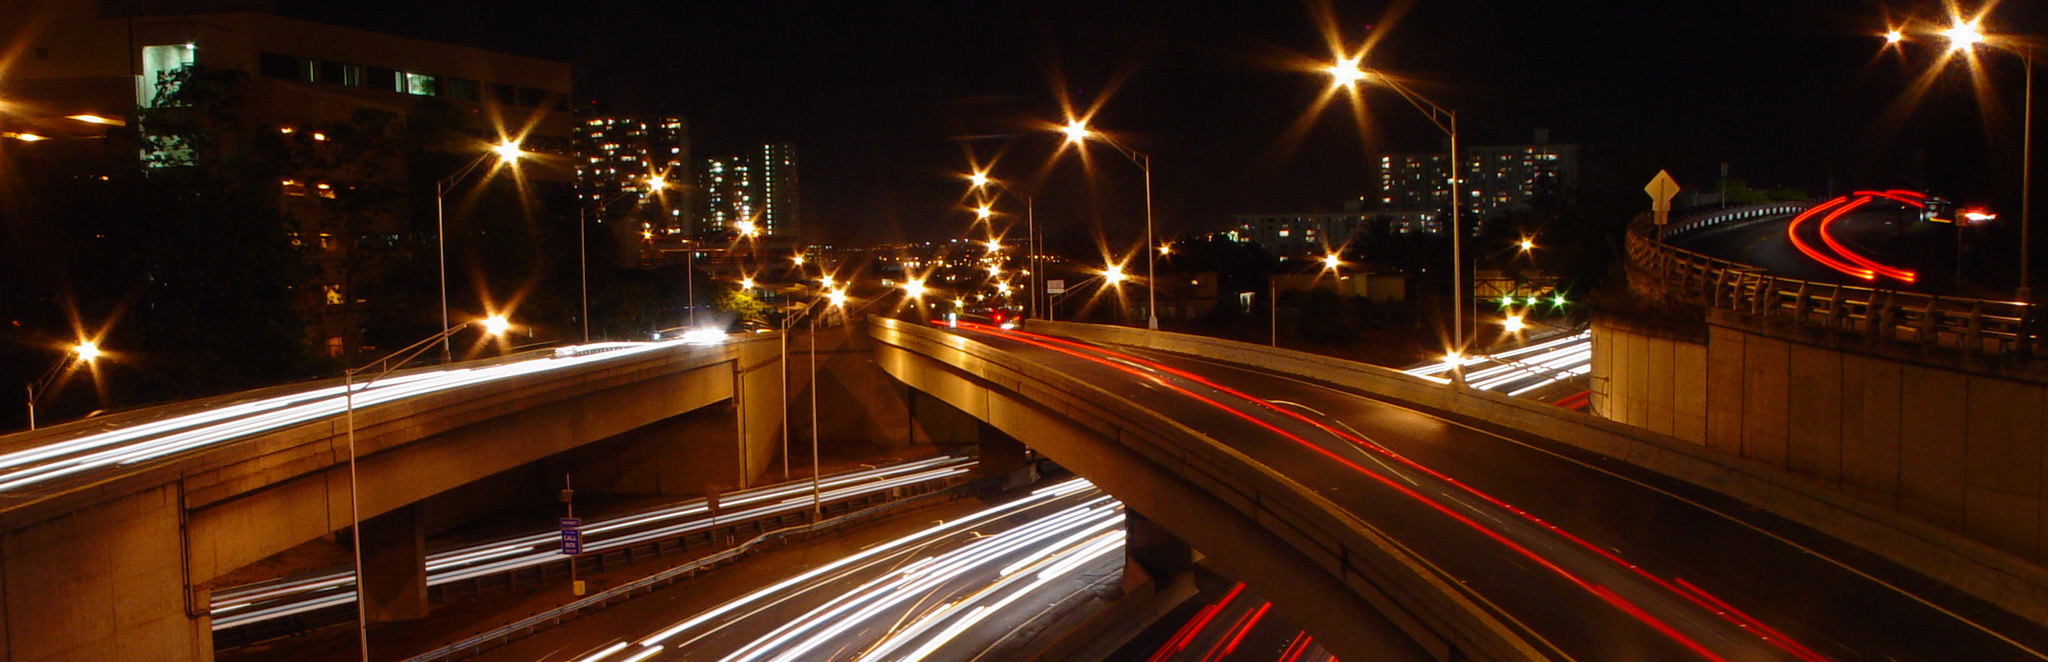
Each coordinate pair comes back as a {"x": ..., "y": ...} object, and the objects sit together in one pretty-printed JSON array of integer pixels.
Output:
[
  {"x": 1981, "y": 327},
  {"x": 1709, "y": 219}
]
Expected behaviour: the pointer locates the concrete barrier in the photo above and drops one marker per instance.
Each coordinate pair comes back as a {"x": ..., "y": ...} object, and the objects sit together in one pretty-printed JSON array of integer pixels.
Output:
[
  {"x": 1322, "y": 567},
  {"x": 1974, "y": 568}
]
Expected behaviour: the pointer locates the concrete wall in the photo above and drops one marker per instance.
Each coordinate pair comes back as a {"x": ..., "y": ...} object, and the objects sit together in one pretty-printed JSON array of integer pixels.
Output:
[
  {"x": 1951, "y": 447},
  {"x": 1650, "y": 380},
  {"x": 103, "y": 583}
]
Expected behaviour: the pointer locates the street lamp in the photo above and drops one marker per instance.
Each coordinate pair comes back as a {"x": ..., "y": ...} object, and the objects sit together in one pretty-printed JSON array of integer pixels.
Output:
[
  {"x": 493, "y": 326},
  {"x": 835, "y": 298},
  {"x": 1346, "y": 73},
  {"x": 981, "y": 180},
  {"x": 1077, "y": 133},
  {"x": 1963, "y": 36},
  {"x": 655, "y": 183},
  {"x": 507, "y": 152},
  {"x": 83, "y": 352}
]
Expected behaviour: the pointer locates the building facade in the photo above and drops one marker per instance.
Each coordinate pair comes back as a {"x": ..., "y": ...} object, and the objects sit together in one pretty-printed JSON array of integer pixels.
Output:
[
  {"x": 1324, "y": 232},
  {"x": 632, "y": 176},
  {"x": 1493, "y": 179},
  {"x": 758, "y": 187},
  {"x": 111, "y": 61}
]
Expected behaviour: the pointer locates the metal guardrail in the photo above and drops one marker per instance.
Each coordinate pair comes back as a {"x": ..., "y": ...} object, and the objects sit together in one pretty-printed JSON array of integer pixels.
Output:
[
  {"x": 525, "y": 627},
  {"x": 1980, "y": 327}
]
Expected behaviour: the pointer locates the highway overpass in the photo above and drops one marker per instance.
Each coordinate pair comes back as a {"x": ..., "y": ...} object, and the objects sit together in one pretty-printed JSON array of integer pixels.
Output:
[
  {"x": 111, "y": 529},
  {"x": 1399, "y": 518}
]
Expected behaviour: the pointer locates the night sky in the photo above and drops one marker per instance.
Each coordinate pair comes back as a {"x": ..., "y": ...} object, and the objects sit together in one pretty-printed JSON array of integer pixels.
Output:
[{"x": 887, "y": 100}]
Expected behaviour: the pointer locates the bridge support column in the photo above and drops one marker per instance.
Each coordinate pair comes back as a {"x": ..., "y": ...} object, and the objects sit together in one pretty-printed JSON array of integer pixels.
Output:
[
  {"x": 105, "y": 582},
  {"x": 1151, "y": 553},
  {"x": 395, "y": 566},
  {"x": 1003, "y": 456}
]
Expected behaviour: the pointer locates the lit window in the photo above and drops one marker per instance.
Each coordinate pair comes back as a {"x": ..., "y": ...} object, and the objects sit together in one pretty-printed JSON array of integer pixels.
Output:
[{"x": 418, "y": 84}]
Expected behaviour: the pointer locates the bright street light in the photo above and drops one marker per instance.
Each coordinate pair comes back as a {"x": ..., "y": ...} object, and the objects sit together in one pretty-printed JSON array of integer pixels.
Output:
[
  {"x": 979, "y": 179},
  {"x": 508, "y": 150},
  {"x": 746, "y": 228},
  {"x": 1114, "y": 275},
  {"x": 1331, "y": 261},
  {"x": 1345, "y": 73},
  {"x": 1076, "y": 132},
  {"x": 983, "y": 212},
  {"x": 1166, "y": 249},
  {"x": 1894, "y": 36},
  {"x": 837, "y": 297},
  {"x": 1961, "y": 36},
  {"x": 798, "y": 260},
  {"x": 746, "y": 283},
  {"x": 914, "y": 289},
  {"x": 1512, "y": 324},
  {"x": 1528, "y": 244},
  {"x": 496, "y": 325},
  {"x": 995, "y": 246},
  {"x": 87, "y": 351}
]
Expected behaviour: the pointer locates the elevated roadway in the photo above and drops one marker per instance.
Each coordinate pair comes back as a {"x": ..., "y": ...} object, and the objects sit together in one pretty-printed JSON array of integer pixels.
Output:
[
  {"x": 1407, "y": 530},
  {"x": 112, "y": 529}
]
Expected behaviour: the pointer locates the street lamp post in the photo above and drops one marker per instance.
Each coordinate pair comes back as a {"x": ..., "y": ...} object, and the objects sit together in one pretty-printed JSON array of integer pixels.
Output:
[
  {"x": 507, "y": 152},
  {"x": 494, "y": 325},
  {"x": 1346, "y": 73},
  {"x": 1077, "y": 132},
  {"x": 1965, "y": 36},
  {"x": 981, "y": 180},
  {"x": 84, "y": 352}
]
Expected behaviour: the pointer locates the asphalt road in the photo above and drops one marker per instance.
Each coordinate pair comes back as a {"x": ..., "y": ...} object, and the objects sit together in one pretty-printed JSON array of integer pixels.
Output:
[
  {"x": 1596, "y": 560},
  {"x": 1880, "y": 231}
]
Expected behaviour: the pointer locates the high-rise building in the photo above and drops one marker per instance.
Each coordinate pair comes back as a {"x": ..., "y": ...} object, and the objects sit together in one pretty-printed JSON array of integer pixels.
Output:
[
  {"x": 83, "y": 66},
  {"x": 758, "y": 187},
  {"x": 1493, "y": 179},
  {"x": 633, "y": 176},
  {"x": 1318, "y": 233}
]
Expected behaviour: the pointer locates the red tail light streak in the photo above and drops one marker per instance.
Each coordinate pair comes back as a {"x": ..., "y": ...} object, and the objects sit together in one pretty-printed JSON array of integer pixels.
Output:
[
  {"x": 1148, "y": 371},
  {"x": 1856, "y": 265}
]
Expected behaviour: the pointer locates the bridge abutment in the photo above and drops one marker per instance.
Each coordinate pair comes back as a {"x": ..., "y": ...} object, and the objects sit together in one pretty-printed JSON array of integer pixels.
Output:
[{"x": 102, "y": 583}]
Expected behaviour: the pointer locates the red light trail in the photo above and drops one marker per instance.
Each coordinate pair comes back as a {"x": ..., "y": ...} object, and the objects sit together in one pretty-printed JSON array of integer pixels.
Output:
[
  {"x": 1856, "y": 266},
  {"x": 1123, "y": 362}
]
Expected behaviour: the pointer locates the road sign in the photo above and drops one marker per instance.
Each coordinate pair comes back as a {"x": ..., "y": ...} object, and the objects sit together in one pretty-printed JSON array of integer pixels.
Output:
[
  {"x": 572, "y": 536},
  {"x": 1055, "y": 286},
  {"x": 1662, "y": 189}
]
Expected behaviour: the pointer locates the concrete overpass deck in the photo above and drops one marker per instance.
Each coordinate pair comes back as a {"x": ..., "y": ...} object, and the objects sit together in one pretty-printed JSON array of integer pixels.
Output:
[{"x": 1519, "y": 546}]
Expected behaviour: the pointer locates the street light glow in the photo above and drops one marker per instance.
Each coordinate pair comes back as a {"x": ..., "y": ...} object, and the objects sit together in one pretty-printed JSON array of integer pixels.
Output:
[
  {"x": 496, "y": 325},
  {"x": 1076, "y": 132},
  {"x": 27, "y": 137},
  {"x": 995, "y": 246},
  {"x": 1963, "y": 36},
  {"x": 95, "y": 119},
  {"x": 507, "y": 150},
  {"x": 746, "y": 228},
  {"x": 657, "y": 182},
  {"x": 1331, "y": 261},
  {"x": 1166, "y": 249},
  {"x": 1345, "y": 73},
  {"x": 837, "y": 297},
  {"x": 914, "y": 288},
  {"x": 87, "y": 350},
  {"x": 1528, "y": 244},
  {"x": 1113, "y": 275},
  {"x": 1513, "y": 324},
  {"x": 979, "y": 179},
  {"x": 983, "y": 212},
  {"x": 746, "y": 283},
  {"x": 1894, "y": 36},
  {"x": 798, "y": 260}
]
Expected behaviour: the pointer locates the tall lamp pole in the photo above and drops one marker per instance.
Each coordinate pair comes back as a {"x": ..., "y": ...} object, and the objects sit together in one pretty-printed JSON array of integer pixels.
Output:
[
  {"x": 1077, "y": 132},
  {"x": 84, "y": 352},
  {"x": 507, "y": 152},
  {"x": 493, "y": 326},
  {"x": 1346, "y": 74}
]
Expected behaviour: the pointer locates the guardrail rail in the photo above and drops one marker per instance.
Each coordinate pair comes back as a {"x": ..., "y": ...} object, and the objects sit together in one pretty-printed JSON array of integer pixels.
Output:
[{"x": 1979, "y": 327}]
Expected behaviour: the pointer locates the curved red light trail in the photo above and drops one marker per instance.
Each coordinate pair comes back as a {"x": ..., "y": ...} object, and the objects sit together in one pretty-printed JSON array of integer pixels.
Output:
[
  {"x": 1612, "y": 598},
  {"x": 1856, "y": 265}
]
